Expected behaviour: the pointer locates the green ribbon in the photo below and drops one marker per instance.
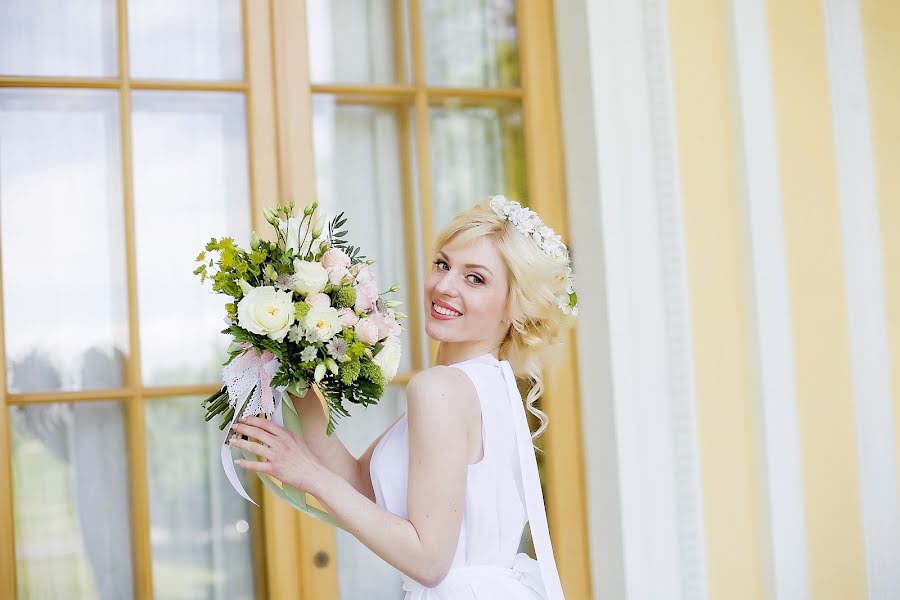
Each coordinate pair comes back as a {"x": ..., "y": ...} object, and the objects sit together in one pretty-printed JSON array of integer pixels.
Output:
[{"x": 289, "y": 494}]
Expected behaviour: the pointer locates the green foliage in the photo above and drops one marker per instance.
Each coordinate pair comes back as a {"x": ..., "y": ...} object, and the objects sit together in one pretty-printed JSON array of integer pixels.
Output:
[
  {"x": 337, "y": 240},
  {"x": 365, "y": 392},
  {"x": 233, "y": 264},
  {"x": 258, "y": 257},
  {"x": 231, "y": 310}
]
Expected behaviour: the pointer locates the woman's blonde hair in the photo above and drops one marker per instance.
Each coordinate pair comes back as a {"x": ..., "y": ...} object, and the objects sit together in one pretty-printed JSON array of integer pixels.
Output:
[{"x": 538, "y": 327}]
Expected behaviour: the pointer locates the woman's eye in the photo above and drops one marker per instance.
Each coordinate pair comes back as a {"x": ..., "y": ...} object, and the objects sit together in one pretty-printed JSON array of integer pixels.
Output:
[{"x": 477, "y": 279}]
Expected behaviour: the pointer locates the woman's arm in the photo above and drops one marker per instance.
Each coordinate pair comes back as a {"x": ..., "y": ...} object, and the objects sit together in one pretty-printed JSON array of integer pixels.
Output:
[
  {"x": 328, "y": 449},
  {"x": 423, "y": 545}
]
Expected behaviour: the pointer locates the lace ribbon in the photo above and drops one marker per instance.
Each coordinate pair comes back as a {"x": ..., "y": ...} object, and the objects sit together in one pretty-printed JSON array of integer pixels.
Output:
[{"x": 249, "y": 381}]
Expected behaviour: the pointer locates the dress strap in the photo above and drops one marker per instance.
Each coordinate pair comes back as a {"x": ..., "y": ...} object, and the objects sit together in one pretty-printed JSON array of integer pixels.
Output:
[{"x": 534, "y": 499}]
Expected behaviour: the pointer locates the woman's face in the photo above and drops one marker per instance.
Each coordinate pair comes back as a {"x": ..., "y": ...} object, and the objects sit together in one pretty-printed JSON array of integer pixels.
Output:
[{"x": 472, "y": 280}]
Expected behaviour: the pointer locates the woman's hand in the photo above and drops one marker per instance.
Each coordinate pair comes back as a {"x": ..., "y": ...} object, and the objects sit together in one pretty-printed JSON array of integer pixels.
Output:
[{"x": 286, "y": 456}]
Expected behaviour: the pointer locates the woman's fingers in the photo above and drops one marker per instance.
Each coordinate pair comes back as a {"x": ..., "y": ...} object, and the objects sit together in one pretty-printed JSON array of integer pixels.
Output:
[
  {"x": 255, "y": 432},
  {"x": 264, "y": 424},
  {"x": 253, "y": 465},
  {"x": 255, "y": 448}
]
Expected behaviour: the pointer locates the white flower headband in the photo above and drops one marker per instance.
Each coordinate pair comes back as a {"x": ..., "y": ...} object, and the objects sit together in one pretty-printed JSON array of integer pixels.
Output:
[{"x": 528, "y": 222}]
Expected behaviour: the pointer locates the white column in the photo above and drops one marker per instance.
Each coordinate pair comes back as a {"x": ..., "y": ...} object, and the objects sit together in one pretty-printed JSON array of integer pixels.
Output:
[
  {"x": 644, "y": 500},
  {"x": 869, "y": 354},
  {"x": 784, "y": 533}
]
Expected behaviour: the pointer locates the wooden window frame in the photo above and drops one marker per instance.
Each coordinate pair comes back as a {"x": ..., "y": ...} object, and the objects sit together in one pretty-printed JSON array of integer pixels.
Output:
[{"x": 278, "y": 97}]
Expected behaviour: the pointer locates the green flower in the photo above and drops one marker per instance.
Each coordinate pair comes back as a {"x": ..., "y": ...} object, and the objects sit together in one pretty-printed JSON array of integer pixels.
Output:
[
  {"x": 349, "y": 371},
  {"x": 300, "y": 310},
  {"x": 371, "y": 372},
  {"x": 346, "y": 297}
]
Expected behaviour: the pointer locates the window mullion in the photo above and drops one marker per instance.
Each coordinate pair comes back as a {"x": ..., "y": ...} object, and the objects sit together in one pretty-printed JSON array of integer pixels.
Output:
[
  {"x": 136, "y": 440},
  {"x": 7, "y": 537}
]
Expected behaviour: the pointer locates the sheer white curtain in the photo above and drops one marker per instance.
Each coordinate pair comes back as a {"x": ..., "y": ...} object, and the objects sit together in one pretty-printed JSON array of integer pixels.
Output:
[{"x": 358, "y": 172}]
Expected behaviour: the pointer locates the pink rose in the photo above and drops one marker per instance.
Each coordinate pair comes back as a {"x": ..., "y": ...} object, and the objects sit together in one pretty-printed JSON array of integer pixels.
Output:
[
  {"x": 365, "y": 274},
  {"x": 367, "y": 331},
  {"x": 319, "y": 299},
  {"x": 386, "y": 324},
  {"x": 336, "y": 274},
  {"x": 335, "y": 258},
  {"x": 347, "y": 317},
  {"x": 366, "y": 296}
]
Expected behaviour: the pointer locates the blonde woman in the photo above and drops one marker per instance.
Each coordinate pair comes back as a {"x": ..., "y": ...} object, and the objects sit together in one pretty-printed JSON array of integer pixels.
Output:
[{"x": 444, "y": 494}]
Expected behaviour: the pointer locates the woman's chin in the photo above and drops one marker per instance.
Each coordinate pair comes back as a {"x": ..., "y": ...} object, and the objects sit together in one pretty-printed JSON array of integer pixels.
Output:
[{"x": 435, "y": 330}]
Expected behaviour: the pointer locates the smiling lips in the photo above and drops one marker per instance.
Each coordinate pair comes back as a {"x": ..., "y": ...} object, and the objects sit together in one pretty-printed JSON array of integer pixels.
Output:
[{"x": 440, "y": 310}]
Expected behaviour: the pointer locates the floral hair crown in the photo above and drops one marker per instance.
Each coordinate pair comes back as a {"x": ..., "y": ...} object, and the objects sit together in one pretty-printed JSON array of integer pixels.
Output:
[{"x": 528, "y": 222}]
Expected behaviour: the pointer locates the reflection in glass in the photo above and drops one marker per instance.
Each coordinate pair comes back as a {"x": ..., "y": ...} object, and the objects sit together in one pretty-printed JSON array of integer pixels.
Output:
[
  {"x": 70, "y": 500},
  {"x": 476, "y": 152},
  {"x": 358, "y": 171},
  {"x": 471, "y": 43},
  {"x": 47, "y": 37},
  {"x": 200, "y": 528},
  {"x": 353, "y": 41},
  {"x": 362, "y": 573},
  {"x": 190, "y": 184},
  {"x": 62, "y": 236},
  {"x": 186, "y": 39}
]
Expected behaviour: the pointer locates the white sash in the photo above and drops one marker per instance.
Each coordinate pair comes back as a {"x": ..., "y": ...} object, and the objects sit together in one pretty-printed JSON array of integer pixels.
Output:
[{"x": 534, "y": 499}]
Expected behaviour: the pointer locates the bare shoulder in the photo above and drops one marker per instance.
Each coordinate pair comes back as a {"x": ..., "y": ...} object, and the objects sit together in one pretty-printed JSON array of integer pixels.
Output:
[
  {"x": 440, "y": 389},
  {"x": 440, "y": 384},
  {"x": 443, "y": 413}
]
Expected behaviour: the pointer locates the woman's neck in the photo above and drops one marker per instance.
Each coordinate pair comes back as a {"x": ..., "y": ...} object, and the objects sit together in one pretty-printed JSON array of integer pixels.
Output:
[{"x": 453, "y": 352}]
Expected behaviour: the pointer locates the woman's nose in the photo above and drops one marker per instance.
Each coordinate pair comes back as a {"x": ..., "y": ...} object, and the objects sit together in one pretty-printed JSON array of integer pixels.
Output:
[{"x": 446, "y": 285}]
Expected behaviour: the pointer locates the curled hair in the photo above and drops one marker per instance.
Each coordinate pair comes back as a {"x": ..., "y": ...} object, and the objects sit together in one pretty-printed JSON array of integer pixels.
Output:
[{"x": 538, "y": 327}]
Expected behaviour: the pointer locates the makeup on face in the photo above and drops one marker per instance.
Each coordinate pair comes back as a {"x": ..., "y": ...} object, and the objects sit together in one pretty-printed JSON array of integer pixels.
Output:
[{"x": 466, "y": 288}]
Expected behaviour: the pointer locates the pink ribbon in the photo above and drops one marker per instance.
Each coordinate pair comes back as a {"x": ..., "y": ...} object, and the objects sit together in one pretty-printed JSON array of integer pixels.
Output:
[{"x": 249, "y": 374}]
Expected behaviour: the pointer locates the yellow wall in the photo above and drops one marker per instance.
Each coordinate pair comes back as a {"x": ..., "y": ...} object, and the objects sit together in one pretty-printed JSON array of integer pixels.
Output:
[
  {"x": 705, "y": 118},
  {"x": 708, "y": 138},
  {"x": 818, "y": 299}
]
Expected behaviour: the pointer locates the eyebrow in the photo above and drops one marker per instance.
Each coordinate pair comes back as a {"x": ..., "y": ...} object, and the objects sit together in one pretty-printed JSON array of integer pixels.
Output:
[{"x": 468, "y": 266}]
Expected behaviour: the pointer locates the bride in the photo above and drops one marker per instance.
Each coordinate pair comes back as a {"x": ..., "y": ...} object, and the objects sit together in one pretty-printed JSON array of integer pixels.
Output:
[{"x": 443, "y": 495}]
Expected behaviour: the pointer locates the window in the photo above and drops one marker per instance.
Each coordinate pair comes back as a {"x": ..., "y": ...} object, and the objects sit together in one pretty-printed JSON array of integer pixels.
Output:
[{"x": 131, "y": 131}]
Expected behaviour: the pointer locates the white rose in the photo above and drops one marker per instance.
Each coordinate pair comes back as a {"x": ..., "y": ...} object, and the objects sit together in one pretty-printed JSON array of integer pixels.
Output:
[
  {"x": 322, "y": 323},
  {"x": 388, "y": 359},
  {"x": 266, "y": 311},
  {"x": 309, "y": 276}
]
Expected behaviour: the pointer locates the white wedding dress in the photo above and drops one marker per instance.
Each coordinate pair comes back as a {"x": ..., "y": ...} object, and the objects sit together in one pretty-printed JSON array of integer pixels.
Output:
[{"x": 503, "y": 493}]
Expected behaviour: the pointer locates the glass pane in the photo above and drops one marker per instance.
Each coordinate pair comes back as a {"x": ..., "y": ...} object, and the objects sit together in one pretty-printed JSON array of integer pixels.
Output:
[
  {"x": 356, "y": 41},
  {"x": 186, "y": 39},
  {"x": 366, "y": 141},
  {"x": 471, "y": 43},
  {"x": 48, "y": 37},
  {"x": 476, "y": 152},
  {"x": 362, "y": 573},
  {"x": 200, "y": 529},
  {"x": 70, "y": 500},
  {"x": 190, "y": 184},
  {"x": 61, "y": 230}
]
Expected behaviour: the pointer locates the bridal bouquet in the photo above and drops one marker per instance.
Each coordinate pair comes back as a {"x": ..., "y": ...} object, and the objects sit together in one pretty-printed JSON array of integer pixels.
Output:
[{"x": 305, "y": 314}]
